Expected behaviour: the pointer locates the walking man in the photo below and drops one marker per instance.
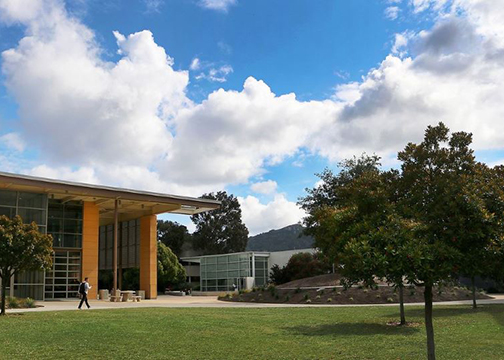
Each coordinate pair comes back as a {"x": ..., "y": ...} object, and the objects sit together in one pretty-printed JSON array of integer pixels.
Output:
[{"x": 83, "y": 291}]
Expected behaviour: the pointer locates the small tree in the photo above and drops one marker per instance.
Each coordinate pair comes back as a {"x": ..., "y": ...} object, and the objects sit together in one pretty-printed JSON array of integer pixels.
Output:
[
  {"x": 22, "y": 248},
  {"x": 169, "y": 270},
  {"x": 220, "y": 231}
]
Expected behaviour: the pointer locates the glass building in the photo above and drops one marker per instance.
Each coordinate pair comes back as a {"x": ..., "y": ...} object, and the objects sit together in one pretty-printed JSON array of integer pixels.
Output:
[
  {"x": 83, "y": 221},
  {"x": 230, "y": 271}
]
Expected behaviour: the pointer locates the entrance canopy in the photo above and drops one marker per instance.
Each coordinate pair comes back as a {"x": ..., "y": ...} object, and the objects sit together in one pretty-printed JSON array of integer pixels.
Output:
[{"x": 131, "y": 204}]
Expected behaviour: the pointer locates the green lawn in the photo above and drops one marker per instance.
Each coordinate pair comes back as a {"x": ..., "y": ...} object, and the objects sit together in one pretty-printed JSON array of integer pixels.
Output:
[{"x": 268, "y": 333}]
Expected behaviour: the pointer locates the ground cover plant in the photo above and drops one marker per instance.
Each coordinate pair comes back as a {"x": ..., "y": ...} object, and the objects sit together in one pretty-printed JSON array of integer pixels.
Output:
[{"x": 247, "y": 333}]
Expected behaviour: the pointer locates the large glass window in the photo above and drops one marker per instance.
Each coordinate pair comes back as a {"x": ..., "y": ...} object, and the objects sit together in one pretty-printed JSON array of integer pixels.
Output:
[
  {"x": 128, "y": 255},
  {"x": 62, "y": 281},
  {"x": 30, "y": 206},
  {"x": 65, "y": 223},
  {"x": 221, "y": 272}
]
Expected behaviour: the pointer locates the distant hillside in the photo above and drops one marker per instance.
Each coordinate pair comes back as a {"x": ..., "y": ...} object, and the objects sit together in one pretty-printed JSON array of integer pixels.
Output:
[{"x": 286, "y": 238}]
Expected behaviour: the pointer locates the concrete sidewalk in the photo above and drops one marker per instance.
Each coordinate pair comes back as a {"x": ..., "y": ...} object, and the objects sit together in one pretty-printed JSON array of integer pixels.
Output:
[{"x": 211, "y": 302}]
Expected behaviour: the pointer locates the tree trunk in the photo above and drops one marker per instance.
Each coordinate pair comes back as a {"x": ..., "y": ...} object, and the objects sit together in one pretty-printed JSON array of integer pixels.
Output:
[
  {"x": 401, "y": 304},
  {"x": 474, "y": 305},
  {"x": 431, "y": 353},
  {"x": 4, "y": 287}
]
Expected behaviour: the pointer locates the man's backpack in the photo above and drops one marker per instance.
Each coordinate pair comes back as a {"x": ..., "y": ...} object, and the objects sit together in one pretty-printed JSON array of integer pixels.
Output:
[{"x": 82, "y": 288}]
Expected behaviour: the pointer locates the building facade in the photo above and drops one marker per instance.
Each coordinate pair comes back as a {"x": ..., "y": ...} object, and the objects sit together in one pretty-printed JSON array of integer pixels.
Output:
[
  {"x": 85, "y": 222},
  {"x": 227, "y": 272}
]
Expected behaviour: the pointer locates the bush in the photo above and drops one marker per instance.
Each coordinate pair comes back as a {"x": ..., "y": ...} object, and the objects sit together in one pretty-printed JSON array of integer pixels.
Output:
[
  {"x": 317, "y": 297},
  {"x": 339, "y": 293},
  {"x": 12, "y": 303},
  {"x": 350, "y": 298},
  {"x": 287, "y": 298},
  {"x": 390, "y": 300},
  {"x": 365, "y": 291},
  {"x": 329, "y": 300},
  {"x": 29, "y": 303},
  {"x": 378, "y": 296},
  {"x": 307, "y": 297},
  {"x": 308, "y": 301},
  {"x": 298, "y": 290}
]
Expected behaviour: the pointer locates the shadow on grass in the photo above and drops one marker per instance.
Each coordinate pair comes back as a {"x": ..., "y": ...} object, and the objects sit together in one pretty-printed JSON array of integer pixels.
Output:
[
  {"x": 497, "y": 311},
  {"x": 351, "y": 329}
]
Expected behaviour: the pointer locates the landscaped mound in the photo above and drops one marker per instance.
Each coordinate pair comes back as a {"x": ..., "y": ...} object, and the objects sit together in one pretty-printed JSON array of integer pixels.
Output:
[
  {"x": 15, "y": 303},
  {"x": 354, "y": 295}
]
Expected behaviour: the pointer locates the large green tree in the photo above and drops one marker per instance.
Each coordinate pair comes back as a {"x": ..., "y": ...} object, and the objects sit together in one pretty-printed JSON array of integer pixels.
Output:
[
  {"x": 440, "y": 183},
  {"x": 22, "y": 248},
  {"x": 360, "y": 227},
  {"x": 173, "y": 235},
  {"x": 220, "y": 231}
]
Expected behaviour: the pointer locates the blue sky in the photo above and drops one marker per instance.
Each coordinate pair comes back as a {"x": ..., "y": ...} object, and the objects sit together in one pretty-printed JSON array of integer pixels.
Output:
[{"x": 366, "y": 75}]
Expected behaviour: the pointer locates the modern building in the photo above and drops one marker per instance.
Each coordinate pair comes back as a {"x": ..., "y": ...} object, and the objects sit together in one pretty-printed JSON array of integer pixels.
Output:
[
  {"x": 244, "y": 270},
  {"x": 93, "y": 227}
]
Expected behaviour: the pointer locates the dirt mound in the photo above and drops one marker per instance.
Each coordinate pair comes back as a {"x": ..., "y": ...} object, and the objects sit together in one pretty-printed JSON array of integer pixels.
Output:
[
  {"x": 316, "y": 281},
  {"x": 354, "y": 295}
]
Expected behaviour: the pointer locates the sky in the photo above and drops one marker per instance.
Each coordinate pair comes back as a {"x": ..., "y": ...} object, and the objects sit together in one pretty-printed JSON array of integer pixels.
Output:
[{"x": 249, "y": 96}]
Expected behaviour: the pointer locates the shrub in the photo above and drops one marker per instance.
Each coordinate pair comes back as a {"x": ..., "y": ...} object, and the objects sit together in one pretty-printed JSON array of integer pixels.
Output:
[
  {"x": 12, "y": 303},
  {"x": 390, "y": 300},
  {"x": 287, "y": 298},
  {"x": 378, "y": 296},
  {"x": 29, "y": 303},
  {"x": 307, "y": 297},
  {"x": 308, "y": 301},
  {"x": 317, "y": 297},
  {"x": 365, "y": 291},
  {"x": 277, "y": 297},
  {"x": 298, "y": 290},
  {"x": 339, "y": 293},
  {"x": 329, "y": 300},
  {"x": 321, "y": 292},
  {"x": 350, "y": 298}
]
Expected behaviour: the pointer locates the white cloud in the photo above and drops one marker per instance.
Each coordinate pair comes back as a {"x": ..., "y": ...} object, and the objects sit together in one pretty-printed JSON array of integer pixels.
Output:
[
  {"x": 264, "y": 187},
  {"x": 392, "y": 12},
  {"x": 153, "y": 6},
  {"x": 219, "y": 5},
  {"x": 195, "y": 64},
  {"x": 216, "y": 74},
  {"x": 61, "y": 85},
  {"x": 274, "y": 215},
  {"x": 13, "y": 141},
  {"x": 225, "y": 47}
]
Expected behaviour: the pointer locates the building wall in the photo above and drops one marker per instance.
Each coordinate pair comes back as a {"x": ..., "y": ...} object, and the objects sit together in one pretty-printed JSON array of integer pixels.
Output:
[
  {"x": 148, "y": 256},
  {"x": 90, "y": 234}
]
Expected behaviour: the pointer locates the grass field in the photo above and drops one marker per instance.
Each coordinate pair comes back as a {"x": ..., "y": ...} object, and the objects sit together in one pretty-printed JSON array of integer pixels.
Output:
[{"x": 267, "y": 333}]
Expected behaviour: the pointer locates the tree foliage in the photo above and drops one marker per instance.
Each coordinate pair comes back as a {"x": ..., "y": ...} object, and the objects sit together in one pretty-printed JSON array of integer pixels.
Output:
[
  {"x": 300, "y": 266},
  {"x": 173, "y": 235},
  {"x": 437, "y": 218},
  {"x": 220, "y": 231},
  {"x": 169, "y": 270},
  {"x": 22, "y": 248}
]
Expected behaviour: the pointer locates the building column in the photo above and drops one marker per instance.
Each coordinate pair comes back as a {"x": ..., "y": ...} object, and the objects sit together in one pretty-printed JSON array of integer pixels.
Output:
[
  {"x": 148, "y": 256},
  {"x": 90, "y": 245}
]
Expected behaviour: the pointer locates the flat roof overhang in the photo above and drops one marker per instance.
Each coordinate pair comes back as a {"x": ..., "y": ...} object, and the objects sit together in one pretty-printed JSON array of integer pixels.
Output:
[{"x": 132, "y": 204}]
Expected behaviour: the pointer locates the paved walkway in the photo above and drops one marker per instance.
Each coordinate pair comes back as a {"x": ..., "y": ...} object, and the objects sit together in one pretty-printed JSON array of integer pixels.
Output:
[{"x": 210, "y": 302}]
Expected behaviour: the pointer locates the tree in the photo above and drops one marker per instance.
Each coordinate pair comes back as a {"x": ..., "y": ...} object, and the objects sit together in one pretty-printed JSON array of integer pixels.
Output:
[
  {"x": 220, "y": 231},
  {"x": 300, "y": 266},
  {"x": 360, "y": 227},
  {"x": 173, "y": 235},
  {"x": 22, "y": 248},
  {"x": 438, "y": 183},
  {"x": 169, "y": 270}
]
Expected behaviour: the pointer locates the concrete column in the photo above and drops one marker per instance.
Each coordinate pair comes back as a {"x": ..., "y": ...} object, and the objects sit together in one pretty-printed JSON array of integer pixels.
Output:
[
  {"x": 90, "y": 245},
  {"x": 148, "y": 256}
]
